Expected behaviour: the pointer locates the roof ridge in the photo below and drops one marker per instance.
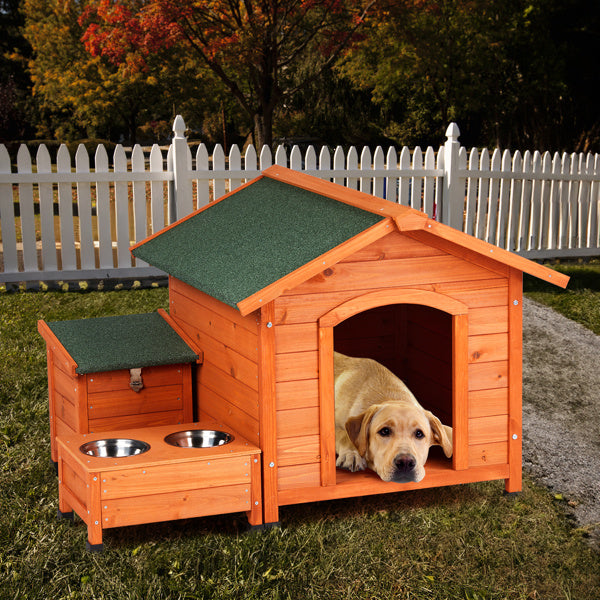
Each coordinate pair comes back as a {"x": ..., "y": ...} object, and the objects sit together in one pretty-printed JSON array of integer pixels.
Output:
[{"x": 335, "y": 191}]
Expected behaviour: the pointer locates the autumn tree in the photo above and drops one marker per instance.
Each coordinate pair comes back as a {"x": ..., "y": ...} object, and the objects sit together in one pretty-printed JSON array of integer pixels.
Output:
[
  {"x": 80, "y": 95},
  {"x": 254, "y": 47}
]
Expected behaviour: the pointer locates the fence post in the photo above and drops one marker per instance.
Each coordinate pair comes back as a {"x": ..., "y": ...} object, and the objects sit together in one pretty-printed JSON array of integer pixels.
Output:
[
  {"x": 453, "y": 197},
  {"x": 181, "y": 201}
]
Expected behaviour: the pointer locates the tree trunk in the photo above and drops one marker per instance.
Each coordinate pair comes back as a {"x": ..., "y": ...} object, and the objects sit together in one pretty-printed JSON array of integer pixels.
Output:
[{"x": 263, "y": 129}]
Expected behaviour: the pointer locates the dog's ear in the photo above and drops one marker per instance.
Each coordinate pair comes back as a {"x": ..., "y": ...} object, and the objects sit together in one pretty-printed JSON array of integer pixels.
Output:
[
  {"x": 442, "y": 434},
  {"x": 358, "y": 429}
]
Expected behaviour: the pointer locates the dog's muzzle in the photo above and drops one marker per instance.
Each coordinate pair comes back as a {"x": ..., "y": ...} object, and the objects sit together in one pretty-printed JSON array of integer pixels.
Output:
[{"x": 404, "y": 468}]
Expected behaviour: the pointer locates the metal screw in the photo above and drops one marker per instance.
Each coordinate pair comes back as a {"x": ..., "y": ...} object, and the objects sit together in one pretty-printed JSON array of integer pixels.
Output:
[
  {"x": 271, "y": 464},
  {"x": 515, "y": 436},
  {"x": 269, "y": 324},
  {"x": 516, "y": 302}
]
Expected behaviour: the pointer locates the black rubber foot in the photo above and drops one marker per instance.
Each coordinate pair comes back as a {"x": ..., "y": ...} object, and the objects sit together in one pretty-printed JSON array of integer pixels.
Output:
[
  {"x": 512, "y": 494},
  {"x": 264, "y": 526},
  {"x": 64, "y": 515},
  {"x": 94, "y": 547}
]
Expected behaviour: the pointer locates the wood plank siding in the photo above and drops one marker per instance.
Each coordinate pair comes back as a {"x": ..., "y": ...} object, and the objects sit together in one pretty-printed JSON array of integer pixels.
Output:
[
  {"x": 227, "y": 383},
  {"x": 412, "y": 340}
]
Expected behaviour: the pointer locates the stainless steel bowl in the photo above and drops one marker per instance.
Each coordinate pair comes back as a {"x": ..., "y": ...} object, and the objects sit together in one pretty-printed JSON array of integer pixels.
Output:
[
  {"x": 199, "y": 438},
  {"x": 114, "y": 448}
]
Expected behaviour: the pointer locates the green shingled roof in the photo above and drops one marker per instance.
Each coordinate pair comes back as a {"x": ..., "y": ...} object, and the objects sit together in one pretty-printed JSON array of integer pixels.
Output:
[
  {"x": 256, "y": 236},
  {"x": 123, "y": 342}
]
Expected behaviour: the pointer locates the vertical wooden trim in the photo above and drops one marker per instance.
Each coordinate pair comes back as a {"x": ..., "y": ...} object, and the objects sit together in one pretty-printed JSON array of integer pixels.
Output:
[
  {"x": 515, "y": 381},
  {"x": 255, "y": 514},
  {"x": 94, "y": 507},
  {"x": 63, "y": 505},
  {"x": 81, "y": 385},
  {"x": 51, "y": 404},
  {"x": 326, "y": 406},
  {"x": 460, "y": 390},
  {"x": 267, "y": 411},
  {"x": 186, "y": 392}
]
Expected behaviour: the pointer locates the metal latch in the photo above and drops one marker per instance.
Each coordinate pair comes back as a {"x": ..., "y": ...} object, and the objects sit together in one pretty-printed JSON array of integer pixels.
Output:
[{"x": 135, "y": 379}]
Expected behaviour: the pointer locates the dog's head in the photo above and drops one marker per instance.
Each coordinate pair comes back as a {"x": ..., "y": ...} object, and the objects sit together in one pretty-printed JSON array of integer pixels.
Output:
[{"x": 394, "y": 438}]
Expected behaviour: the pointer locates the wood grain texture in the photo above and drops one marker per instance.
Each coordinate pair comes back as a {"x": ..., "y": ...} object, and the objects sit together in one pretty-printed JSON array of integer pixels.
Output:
[
  {"x": 298, "y": 450},
  {"x": 268, "y": 413},
  {"x": 327, "y": 406},
  {"x": 492, "y": 453},
  {"x": 483, "y": 430},
  {"x": 515, "y": 378},
  {"x": 379, "y": 275},
  {"x": 168, "y": 506},
  {"x": 487, "y": 403},
  {"x": 107, "y": 381},
  {"x": 460, "y": 386}
]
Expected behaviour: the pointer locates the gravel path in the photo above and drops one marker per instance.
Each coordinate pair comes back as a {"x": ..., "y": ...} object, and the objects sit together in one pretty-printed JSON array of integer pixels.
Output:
[{"x": 561, "y": 411}]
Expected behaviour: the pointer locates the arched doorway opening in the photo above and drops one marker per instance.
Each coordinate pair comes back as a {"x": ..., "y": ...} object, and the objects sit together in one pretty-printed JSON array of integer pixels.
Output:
[{"x": 420, "y": 336}]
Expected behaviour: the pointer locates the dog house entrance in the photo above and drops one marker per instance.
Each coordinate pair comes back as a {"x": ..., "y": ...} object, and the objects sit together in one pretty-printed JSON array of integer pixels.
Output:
[
  {"x": 414, "y": 342},
  {"x": 424, "y": 343}
]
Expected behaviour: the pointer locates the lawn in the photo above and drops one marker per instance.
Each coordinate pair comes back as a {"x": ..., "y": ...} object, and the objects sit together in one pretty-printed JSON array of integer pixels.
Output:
[{"x": 466, "y": 542}]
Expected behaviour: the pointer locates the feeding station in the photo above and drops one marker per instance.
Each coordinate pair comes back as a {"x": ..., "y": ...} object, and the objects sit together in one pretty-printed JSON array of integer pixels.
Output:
[{"x": 268, "y": 281}]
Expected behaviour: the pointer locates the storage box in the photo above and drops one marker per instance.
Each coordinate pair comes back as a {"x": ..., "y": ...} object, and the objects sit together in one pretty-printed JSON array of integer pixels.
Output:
[{"x": 116, "y": 373}]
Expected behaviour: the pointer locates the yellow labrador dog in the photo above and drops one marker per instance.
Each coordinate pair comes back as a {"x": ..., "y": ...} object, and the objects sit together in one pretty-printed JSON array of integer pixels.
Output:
[{"x": 379, "y": 423}]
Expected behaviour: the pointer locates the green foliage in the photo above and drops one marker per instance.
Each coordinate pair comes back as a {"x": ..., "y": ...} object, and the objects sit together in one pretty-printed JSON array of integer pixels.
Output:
[
  {"x": 14, "y": 82},
  {"x": 580, "y": 301},
  {"x": 501, "y": 69},
  {"x": 511, "y": 73},
  {"x": 462, "y": 542}
]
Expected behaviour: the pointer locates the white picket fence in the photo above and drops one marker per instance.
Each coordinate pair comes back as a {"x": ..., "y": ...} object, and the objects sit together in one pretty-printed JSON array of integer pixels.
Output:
[{"x": 537, "y": 205}]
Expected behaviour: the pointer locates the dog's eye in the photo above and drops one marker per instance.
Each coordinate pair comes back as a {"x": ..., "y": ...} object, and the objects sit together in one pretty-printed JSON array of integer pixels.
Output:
[
  {"x": 384, "y": 432},
  {"x": 419, "y": 434}
]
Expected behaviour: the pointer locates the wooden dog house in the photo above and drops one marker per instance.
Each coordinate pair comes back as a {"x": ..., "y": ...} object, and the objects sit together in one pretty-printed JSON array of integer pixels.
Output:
[{"x": 273, "y": 277}]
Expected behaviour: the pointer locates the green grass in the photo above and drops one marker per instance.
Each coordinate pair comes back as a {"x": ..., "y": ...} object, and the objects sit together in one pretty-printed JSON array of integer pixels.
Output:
[
  {"x": 580, "y": 301},
  {"x": 466, "y": 542}
]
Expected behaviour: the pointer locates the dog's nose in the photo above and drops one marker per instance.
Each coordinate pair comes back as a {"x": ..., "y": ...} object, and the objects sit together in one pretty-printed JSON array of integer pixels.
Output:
[{"x": 405, "y": 463}]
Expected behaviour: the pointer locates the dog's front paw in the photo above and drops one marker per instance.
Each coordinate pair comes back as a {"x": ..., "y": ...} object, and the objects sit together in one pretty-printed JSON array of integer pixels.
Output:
[{"x": 351, "y": 460}]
